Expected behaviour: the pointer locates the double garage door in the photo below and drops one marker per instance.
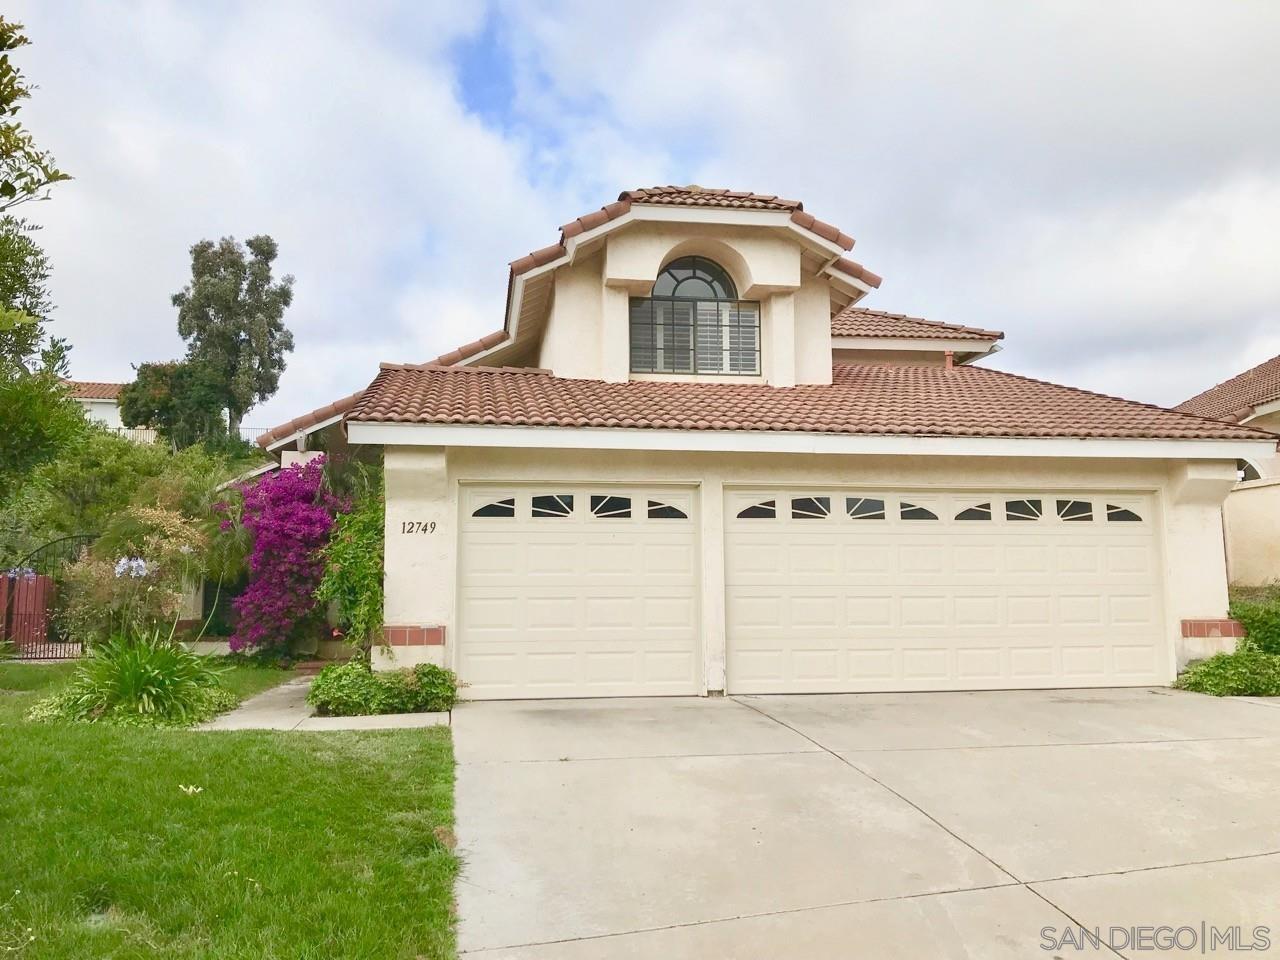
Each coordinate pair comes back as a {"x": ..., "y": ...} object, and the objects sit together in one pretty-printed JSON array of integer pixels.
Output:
[{"x": 594, "y": 591}]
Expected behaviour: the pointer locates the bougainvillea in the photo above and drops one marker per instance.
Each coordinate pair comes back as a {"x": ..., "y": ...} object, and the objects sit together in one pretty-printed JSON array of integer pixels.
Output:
[{"x": 289, "y": 515}]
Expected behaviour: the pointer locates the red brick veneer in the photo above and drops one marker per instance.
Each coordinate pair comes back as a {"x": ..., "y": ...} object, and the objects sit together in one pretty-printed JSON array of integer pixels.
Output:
[
  {"x": 1213, "y": 628},
  {"x": 398, "y": 636}
]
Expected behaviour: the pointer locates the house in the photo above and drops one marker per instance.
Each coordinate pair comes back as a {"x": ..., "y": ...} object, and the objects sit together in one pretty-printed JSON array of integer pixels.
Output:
[
  {"x": 1251, "y": 512},
  {"x": 692, "y": 462},
  {"x": 101, "y": 403}
]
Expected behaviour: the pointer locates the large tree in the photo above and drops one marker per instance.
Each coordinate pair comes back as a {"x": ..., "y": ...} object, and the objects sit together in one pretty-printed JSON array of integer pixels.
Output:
[
  {"x": 232, "y": 316},
  {"x": 24, "y": 294},
  {"x": 26, "y": 171},
  {"x": 38, "y": 418},
  {"x": 179, "y": 399}
]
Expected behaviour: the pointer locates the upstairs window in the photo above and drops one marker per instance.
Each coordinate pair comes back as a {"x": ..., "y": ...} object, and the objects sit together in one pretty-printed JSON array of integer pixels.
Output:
[{"x": 695, "y": 323}]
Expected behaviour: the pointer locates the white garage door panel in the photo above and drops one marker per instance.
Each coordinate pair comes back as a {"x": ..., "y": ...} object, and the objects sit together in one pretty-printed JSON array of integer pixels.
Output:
[
  {"x": 832, "y": 603},
  {"x": 579, "y": 604}
]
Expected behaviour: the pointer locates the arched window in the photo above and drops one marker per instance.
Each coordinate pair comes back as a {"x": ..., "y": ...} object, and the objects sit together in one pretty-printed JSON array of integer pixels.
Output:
[
  {"x": 694, "y": 323},
  {"x": 694, "y": 278}
]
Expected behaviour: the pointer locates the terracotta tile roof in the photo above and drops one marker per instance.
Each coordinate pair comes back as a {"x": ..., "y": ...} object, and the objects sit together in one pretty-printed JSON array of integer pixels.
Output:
[
  {"x": 860, "y": 322},
  {"x": 1235, "y": 399},
  {"x": 318, "y": 415},
  {"x": 695, "y": 196},
  {"x": 94, "y": 390},
  {"x": 863, "y": 399}
]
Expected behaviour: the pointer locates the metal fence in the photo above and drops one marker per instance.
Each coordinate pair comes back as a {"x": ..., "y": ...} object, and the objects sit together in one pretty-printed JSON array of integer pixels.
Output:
[{"x": 27, "y": 594}]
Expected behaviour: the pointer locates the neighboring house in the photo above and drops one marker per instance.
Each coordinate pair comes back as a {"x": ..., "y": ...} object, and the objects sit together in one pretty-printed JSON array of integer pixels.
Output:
[
  {"x": 1251, "y": 513},
  {"x": 101, "y": 402},
  {"x": 693, "y": 462}
]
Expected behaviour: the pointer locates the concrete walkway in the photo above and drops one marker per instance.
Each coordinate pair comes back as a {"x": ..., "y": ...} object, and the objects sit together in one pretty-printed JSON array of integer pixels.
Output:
[
  {"x": 949, "y": 825},
  {"x": 285, "y": 708}
]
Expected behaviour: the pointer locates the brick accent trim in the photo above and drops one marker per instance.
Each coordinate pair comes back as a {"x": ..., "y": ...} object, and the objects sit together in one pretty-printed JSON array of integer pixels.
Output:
[
  {"x": 1224, "y": 627},
  {"x": 413, "y": 636}
]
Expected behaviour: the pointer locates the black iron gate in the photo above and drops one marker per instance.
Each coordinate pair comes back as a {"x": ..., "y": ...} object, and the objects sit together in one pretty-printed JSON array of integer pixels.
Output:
[{"x": 27, "y": 625}]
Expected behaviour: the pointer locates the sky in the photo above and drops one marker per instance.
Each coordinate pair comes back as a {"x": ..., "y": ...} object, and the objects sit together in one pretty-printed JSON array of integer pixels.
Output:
[{"x": 1100, "y": 180}]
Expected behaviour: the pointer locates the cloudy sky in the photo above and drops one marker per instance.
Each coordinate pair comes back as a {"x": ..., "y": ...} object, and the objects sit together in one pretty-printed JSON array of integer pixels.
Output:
[{"x": 1101, "y": 179}]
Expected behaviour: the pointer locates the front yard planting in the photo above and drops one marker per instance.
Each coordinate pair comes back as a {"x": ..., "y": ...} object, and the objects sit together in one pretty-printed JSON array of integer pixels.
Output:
[
  {"x": 351, "y": 689},
  {"x": 135, "y": 842}
]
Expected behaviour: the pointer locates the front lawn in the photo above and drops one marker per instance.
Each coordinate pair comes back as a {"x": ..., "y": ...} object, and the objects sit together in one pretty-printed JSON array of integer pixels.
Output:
[{"x": 296, "y": 845}]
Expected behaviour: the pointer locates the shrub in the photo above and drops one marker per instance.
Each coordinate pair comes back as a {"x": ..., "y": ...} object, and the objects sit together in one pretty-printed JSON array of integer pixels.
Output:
[
  {"x": 353, "y": 570},
  {"x": 1249, "y": 672},
  {"x": 289, "y": 515},
  {"x": 139, "y": 680},
  {"x": 352, "y": 689},
  {"x": 1258, "y": 608},
  {"x": 135, "y": 579}
]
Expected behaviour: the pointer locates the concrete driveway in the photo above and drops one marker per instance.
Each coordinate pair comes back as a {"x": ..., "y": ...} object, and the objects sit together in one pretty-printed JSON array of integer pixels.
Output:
[{"x": 864, "y": 825}]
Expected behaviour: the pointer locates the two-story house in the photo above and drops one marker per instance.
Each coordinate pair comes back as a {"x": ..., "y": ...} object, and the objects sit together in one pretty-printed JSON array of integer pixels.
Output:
[{"x": 691, "y": 461}]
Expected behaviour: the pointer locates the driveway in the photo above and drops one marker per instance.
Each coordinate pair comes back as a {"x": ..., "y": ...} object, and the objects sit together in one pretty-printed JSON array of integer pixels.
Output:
[{"x": 863, "y": 825}]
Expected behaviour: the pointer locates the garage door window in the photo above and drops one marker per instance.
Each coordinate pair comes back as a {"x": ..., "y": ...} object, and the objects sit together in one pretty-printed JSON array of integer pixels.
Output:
[
  {"x": 1077, "y": 510},
  {"x": 1023, "y": 509},
  {"x": 497, "y": 509},
  {"x": 810, "y": 508},
  {"x": 665, "y": 511},
  {"x": 765, "y": 510},
  {"x": 979, "y": 511},
  {"x": 618, "y": 508},
  {"x": 911, "y": 511},
  {"x": 553, "y": 505},
  {"x": 864, "y": 508},
  {"x": 1121, "y": 514}
]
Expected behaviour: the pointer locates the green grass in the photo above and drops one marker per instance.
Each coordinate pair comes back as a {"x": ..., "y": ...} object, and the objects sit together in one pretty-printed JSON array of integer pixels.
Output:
[{"x": 299, "y": 845}]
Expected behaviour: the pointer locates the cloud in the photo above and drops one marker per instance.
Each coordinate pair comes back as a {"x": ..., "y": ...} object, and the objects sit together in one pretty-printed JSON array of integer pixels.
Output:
[{"x": 1101, "y": 181}]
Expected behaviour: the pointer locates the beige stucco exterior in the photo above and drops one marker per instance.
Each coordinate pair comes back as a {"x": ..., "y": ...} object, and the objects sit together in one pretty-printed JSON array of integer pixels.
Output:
[
  {"x": 1251, "y": 519},
  {"x": 423, "y": 485},
  {"x": 586, "y": 335}
]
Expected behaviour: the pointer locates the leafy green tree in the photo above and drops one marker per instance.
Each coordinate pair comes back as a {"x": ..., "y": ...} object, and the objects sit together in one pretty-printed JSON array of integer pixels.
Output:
[
  {"x": 232, "y": 316},
  {"x": 38, "y": 418},
  {"x": 179, "y": 399},
  {"x": 26, "y": 172},
  {"x": 24, "y": 294}
]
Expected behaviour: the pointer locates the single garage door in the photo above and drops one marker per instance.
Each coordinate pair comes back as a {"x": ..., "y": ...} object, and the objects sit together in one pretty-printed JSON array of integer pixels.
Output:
[
  {"x": 848, "y": 590},
  {"x": 570, "y": 591}
]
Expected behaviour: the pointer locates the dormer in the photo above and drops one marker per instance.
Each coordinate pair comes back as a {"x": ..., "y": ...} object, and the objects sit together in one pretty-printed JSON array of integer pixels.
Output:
[{"x": 694, "y": 285}]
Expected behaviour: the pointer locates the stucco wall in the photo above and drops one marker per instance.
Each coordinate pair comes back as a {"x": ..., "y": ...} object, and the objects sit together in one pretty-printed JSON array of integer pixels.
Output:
[
  {"x": 587, "y": 330},
  {"x": 103, "y": 411},
  {"x": 1251, "y": 516},
  {"x": 422, "y": 486}
]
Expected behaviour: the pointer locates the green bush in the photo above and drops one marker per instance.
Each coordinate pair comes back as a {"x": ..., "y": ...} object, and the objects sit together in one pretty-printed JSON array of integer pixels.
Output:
[
  {"x": 353, "y": 568},
  {"x": 1258, "y": 608},
  {"x": 1249, "y": 672},
  {"x": 139, "y": 680},
  {"x": 351, "y": 689}
]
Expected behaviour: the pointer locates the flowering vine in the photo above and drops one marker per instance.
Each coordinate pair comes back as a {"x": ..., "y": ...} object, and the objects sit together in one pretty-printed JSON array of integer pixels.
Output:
[{"x": 289, "y": 515}]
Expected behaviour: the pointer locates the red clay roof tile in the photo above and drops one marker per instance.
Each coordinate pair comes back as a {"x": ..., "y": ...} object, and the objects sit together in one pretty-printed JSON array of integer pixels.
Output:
[
  {"x": 863, "y": 399},
  {"x": 318, "y": 415},
  {"x": 1236, "y": 398},
  {"x": 860, "y": 322},
  {"x": 690, "y": 196},
  {"x": 94, "y": 389}
]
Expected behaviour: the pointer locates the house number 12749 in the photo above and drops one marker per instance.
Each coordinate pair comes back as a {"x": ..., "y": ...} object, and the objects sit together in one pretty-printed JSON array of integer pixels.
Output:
[{"x": 418, "y": 526}]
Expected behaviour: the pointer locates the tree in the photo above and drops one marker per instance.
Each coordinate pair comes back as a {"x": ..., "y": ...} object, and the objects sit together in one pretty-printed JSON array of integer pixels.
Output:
[
  {"x": 180, "y": 399},
  {"x": 25, "y": 170},
  {"x": 24, "y": 295},
  {"x": 38, "y": 418},
  {"x": 232, "y": 317}
]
